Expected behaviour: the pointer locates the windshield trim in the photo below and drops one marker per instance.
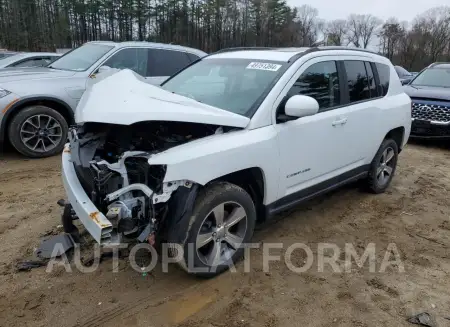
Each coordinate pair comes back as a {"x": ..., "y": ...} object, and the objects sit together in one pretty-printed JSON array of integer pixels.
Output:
[
  {"x": 255, "y": 106},
  {"x": 84, "y": 70}
]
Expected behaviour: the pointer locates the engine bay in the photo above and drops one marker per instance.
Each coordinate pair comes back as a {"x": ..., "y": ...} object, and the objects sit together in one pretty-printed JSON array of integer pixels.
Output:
[
  {"x": 152, "y": 137},
  {"x": 111, "y": 163}
]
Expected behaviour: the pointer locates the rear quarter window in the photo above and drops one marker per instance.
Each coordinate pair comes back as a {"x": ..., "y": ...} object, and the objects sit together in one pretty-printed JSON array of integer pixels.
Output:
[{"x": 384, "y": 75}]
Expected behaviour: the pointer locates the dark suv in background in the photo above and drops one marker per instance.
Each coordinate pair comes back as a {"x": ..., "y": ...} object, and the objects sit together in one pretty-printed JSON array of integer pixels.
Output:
[{"x": 430, "y": 95}]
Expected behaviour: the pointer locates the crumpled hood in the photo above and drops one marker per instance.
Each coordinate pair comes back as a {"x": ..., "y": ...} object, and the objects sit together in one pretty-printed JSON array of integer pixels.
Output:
[
  {"x": 125, "y": 98},
  {"x": 428, "y": 92},
  {"x": 26, "y": 74}
]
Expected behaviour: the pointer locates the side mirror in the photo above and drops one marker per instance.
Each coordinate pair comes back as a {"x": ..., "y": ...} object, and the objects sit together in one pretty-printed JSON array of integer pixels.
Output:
[{"x": 301, "y": 106}]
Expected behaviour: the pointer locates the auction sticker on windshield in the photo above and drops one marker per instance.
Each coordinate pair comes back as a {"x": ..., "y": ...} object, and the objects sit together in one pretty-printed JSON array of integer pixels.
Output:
[{"x": 263, "y": 66}]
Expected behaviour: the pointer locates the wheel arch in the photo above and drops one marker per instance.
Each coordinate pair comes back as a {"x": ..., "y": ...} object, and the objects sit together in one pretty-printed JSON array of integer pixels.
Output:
[
  {"x": 252, "y": 180},
  {"x": 398, "y": 135},
  {"x": 51, "y": 102},
  {"x": 182, "y": 202}
]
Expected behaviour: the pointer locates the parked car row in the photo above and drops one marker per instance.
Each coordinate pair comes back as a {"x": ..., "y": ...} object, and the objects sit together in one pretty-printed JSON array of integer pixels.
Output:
[{"x": 37, "y": 104}]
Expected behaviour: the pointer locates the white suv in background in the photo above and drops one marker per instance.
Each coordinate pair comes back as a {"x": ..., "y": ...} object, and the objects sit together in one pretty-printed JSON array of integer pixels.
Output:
[
  {"x": 37, "y": 105},
  {"x": 230, "y": 141}
]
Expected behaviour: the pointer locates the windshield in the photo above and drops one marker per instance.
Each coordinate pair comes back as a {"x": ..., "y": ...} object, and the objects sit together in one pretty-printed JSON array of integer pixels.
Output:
[
  {"x": 439, "y": 77},
  {"x": 80, "y": 59},
  {"x": 402, "y": 71},
  {"x": 236, "y": 85}
]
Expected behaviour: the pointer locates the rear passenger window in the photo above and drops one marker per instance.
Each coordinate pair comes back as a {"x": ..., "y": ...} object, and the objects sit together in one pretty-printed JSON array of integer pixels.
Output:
[
  {"x": 319, "y": 81},
  {"x": 166, "y": 62},
  {"x": 358, "y": 85},
  {"x": 372, "y": 84},
  {"x": 384, "y": 73}
]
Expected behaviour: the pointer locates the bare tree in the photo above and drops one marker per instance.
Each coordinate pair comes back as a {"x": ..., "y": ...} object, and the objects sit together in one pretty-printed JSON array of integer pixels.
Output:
[
  {"x": 436, "y": 26},
  {"x": 390, "y": 36},
  {"x": 307, "y": 20},
  {"x": 35, "y": 25},
  {"x": 336, "y": 31},
  {"x": 361, "y": 29}
]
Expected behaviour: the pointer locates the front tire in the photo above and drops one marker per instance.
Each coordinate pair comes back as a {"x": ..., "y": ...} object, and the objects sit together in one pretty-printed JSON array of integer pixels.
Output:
[
  {"x": 222, "y": 221},
  {"x": 383, "y": 166},
  {"x": 38, "y": 132}
]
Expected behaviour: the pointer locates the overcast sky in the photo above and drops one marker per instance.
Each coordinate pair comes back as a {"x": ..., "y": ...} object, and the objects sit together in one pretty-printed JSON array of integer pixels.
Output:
[{"x": 402, "y": 9}]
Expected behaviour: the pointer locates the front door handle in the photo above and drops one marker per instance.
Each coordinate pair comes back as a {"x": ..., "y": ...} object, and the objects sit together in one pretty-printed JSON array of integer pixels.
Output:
[{"x": 339, "y": 122}]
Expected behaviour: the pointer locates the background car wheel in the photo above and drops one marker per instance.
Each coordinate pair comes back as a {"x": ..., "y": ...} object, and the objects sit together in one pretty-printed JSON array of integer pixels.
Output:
[
  {"x": 38, "y": 132},
  {"x": 383, "y": 167},
  {"x": 222, "y": 220}
]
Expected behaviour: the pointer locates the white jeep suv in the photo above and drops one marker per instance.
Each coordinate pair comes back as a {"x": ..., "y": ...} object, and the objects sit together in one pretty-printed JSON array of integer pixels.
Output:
[{"x": 228, "y": 142}]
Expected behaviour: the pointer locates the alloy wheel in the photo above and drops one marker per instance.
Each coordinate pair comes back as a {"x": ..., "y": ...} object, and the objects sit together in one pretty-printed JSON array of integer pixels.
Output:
[
  {"x": 386, "y": 166},
  {"x": 221, "y": 233},
  {"x": 41, "y": 133}
]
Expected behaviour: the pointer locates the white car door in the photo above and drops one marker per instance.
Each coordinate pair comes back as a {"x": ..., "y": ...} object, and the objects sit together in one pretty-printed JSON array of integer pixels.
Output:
[{"x": 318, "y": 150}]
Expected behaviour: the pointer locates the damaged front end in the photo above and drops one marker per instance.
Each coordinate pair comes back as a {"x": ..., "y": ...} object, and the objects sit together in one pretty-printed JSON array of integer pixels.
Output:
[{"x": 110, "y": 185}]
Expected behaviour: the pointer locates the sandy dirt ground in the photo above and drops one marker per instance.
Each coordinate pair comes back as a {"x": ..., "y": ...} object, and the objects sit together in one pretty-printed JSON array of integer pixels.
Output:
[{"x": 413, "y": 214}]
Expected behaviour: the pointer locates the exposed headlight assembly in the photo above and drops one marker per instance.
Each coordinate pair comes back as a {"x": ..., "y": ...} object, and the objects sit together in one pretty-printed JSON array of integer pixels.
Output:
[{"x": 4, "y": 93}]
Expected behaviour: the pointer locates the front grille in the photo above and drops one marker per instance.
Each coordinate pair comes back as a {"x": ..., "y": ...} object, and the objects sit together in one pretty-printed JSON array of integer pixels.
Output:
[{"x": 431, "y": 112}]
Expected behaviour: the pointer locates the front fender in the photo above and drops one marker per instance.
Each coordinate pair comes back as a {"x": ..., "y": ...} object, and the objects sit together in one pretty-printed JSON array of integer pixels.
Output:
[{"x": 206, "y": 159}]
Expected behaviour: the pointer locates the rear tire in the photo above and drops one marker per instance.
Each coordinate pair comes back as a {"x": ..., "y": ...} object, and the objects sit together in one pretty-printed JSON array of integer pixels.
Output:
[
  {"x": 38, "y": 132},
  {"x": 383, "y": 166},
  {"x": 214, "y": 240}
]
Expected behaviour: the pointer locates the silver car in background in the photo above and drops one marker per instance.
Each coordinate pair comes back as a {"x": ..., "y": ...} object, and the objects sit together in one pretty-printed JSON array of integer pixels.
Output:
[
  {"x": 6, "y": 53},
  {"x": 29, "y": 59},
  {"x": 37, "y": 104}
]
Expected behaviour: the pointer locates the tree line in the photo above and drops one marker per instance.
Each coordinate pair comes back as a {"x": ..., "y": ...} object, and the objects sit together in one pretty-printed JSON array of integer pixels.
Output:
[{"x": 44, "y": 25}]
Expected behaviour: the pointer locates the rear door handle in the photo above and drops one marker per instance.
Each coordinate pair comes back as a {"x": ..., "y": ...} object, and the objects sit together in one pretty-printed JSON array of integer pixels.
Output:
[{"x": 339, "y": 122}]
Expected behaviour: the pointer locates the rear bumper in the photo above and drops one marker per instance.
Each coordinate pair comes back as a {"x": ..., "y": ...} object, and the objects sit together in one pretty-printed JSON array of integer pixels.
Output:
[{"x": 93, "y": 220}]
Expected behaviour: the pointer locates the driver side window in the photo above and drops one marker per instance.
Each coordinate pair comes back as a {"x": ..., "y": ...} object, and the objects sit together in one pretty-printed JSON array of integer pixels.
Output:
[
  {"x": 135, "y": 59},
  {"x": 321, "y": 82}
]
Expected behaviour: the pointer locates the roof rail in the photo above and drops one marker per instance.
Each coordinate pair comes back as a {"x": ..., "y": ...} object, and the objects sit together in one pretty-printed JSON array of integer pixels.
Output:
[
  {"x": 336, "y": 47},
  {"x": 244, "y": 49},
  {"x": 316, "y": 48}
]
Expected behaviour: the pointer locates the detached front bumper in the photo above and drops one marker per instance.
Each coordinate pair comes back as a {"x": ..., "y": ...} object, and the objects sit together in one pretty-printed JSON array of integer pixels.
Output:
[
  {"x": 427, "y": 129},
  {"x": 93, "y": 220}
]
